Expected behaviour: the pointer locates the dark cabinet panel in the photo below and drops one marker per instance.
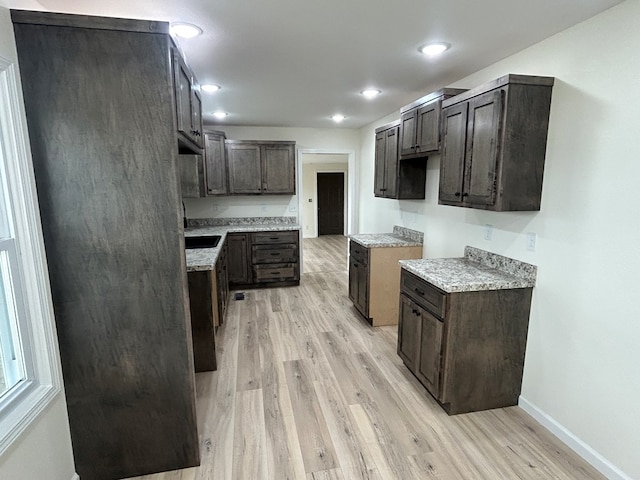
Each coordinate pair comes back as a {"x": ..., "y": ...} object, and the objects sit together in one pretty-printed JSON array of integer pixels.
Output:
[
  {"x": 245, "y": 170},
  {"x": 278, "y": 169},
  {"x": 453, "y": 153},
  {"x": 238, "y": 258},
  {"x": 494, "y": 144},
  {"x": 188, "y": 105},
  {"x": 420, "y": 124},
  {"x": 222, "y": 282},
  {"x": 192, "y": 176},
  {"x": 392, "y": 178},
  {"x": 261, "y": 167},
  {"x": 216, "y": 163},
  {"x": 429, "y": 361},
  {"x": 409, "y": 327},
  {"x": 100, "y": 112}
]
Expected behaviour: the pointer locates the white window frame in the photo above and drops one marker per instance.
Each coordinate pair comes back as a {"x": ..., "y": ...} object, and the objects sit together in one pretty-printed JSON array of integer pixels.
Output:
[{"x": 23, "y": 403}]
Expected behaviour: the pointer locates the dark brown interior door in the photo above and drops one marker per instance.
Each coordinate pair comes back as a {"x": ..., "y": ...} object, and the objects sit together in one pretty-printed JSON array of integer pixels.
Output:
[{"x": 330, "y": 203}]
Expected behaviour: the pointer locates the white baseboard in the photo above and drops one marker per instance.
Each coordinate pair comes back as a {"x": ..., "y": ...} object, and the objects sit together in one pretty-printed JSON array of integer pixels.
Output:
[{"x": 603, "y": 465}]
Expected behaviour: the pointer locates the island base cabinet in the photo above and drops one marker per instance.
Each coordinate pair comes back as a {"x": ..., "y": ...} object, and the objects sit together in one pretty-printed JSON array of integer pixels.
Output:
[
  {"x": 468, "y": 350},
  {"x": 374, "y": 280}
]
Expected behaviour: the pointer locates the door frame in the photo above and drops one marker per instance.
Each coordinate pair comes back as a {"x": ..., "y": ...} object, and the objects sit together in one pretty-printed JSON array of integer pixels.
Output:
[
  {"x": 351, "y": 216},
  {"x": 345, "y": 180}
]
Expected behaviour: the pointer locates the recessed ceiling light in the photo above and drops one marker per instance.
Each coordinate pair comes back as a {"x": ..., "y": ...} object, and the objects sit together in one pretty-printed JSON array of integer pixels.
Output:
[
  {"x": 220, "y": 114},
  {"x": 371, "y": 92},
  {"x": 432, "y": 49},
  {"x": 338, "y": 117},
  {"x": 185, "y": 30},
  {"x": 210, "y": 88}
]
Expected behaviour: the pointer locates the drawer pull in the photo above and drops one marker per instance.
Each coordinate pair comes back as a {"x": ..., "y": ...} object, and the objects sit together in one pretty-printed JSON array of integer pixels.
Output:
[
  {"x": 274, "y": 238},
  {"x": 418, "y": 291},
  {"x": 275, "y": 273},
  {"x": 275, "y": 254}
]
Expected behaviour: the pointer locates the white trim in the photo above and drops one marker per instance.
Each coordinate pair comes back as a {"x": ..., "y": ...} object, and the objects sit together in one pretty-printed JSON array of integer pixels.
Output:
[
  {"x": 603, "y": 465},
  {"x": 75, "y": 477},
  {"x": 25, "y": 403}
]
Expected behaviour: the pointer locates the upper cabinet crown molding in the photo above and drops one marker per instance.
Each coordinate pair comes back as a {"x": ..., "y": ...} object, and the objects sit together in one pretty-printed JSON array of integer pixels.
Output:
[
  {"x": 494, "y": 144},
  {"x": 420, "y": 124}
]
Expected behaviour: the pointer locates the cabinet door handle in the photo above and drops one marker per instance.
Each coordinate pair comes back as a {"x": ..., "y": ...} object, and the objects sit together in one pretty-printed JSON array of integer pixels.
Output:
[
  {"x": 457, "y": 194},
  {"x": 418, "y": 291},
  {"x": 415, "y": 312},
  {"x": 465, "y": 194}
]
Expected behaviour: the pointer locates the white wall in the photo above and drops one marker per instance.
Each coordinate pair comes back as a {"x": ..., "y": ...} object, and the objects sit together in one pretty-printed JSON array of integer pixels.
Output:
[
  {"x": 44, "y": 449},
  {"x": 326, "y": 139},
  {"x": 309, "y": 200},
  {"x": 581, "y": 370}
]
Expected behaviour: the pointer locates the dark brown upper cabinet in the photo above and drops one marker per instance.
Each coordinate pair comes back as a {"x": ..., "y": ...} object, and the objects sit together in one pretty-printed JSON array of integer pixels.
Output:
[
  {"x": 188, "y": 105},
  {"x": 392, "y": 178},
  {"x": 257, "y": 167},
  {"x": 216, "y": 163},
  {"x": 420, "y": 124},
  {"x": 494, "y": 143}
]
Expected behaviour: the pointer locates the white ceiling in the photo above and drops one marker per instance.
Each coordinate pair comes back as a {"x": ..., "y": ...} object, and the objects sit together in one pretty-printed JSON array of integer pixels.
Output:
[{"x": 296, "y": 62}]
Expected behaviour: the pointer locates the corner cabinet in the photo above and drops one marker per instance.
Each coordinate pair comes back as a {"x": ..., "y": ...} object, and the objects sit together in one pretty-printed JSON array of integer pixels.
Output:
[
  {"x": 420, "y": 124},
  {"x": 400, "y": 180},
  {"x": 466, "y": 348},
  {"x": 494, "y": 144},
  {"x": 257, "y": 167}
]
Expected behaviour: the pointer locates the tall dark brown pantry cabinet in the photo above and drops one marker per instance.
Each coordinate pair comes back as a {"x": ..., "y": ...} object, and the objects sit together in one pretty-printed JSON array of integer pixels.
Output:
[{"x": 101, "y": 116}]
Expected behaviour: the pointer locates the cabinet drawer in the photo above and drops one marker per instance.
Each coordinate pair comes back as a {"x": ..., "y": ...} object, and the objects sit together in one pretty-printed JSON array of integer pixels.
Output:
[
  {"x": 424, "y": 293},
  {"x": 274, "y": 273},
  {"x": 274, "y": 254},
  {"x": 271, "y": 238},
  {"x": 358, "y": 252}
]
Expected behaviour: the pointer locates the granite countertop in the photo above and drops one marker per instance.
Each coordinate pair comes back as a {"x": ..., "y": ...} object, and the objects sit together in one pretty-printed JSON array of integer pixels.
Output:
[
  {"x": 200, "y": 259},
  {"x": 400, "y": 237},
  {"x": 477, "y": 270}
]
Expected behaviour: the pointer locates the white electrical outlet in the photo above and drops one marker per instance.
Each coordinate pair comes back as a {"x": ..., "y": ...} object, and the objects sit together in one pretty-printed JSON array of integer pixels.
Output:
[
  {"x": 531, "y": 241},
  {"x": 488, "y": 232}
]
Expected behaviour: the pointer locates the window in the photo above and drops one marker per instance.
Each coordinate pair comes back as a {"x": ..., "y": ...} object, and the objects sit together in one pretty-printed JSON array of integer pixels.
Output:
[{"x": 29, "y": 364}]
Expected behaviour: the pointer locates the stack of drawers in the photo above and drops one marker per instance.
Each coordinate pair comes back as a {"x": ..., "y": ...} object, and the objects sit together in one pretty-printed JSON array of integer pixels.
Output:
[{"x": 275, "y": 257}]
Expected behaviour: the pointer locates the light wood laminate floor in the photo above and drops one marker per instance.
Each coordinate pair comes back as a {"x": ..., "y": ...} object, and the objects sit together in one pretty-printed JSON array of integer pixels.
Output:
[{"x": 307, "y": 390}]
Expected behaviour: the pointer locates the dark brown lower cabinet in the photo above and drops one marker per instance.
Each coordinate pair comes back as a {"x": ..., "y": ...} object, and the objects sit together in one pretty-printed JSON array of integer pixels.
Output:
[
  {"x": 359, "y": 279},
  {"x": 264, "y": 259},
  {"x": 466, "y": 348}
]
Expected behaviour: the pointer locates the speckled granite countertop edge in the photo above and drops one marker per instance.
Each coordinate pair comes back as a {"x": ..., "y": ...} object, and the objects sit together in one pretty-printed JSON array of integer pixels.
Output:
[
  {"x": 202, "y": 259},
  {"x": 400, "y": 237},
  {"x": 478, "y": 270}
]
